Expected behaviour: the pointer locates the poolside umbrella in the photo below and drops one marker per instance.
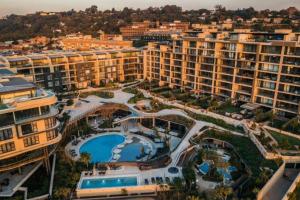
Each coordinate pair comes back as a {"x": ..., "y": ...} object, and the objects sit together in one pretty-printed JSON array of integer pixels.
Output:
[
  {"x": 120, "y": 146},
  {"x": 116, "y": 151},
  {"x": 116, "y": 156},
  {"x": 128, "y": 141},
  {"x": 94, "y": 170}
]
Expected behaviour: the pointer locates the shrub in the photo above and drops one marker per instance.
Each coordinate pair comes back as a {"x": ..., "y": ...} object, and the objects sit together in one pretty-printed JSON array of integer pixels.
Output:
[{"x": 70, "y": 102}]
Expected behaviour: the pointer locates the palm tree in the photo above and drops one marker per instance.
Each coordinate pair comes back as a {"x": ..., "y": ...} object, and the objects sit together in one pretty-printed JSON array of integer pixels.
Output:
[
  {"x": 222, "y": 192},
  {"x": 85, "y": 158},
  {"x": 177, "y": 183}
]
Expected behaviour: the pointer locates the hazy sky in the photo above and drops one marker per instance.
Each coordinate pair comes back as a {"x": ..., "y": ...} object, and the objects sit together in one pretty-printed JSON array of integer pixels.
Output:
[{"x": 31, "y": 6}]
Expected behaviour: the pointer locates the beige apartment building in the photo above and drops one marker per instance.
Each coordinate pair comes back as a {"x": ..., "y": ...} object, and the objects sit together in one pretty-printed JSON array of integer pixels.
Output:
[
  {"x": 250, "y": 67},
  {"x": 63, "y": 71},
  {"x": 29, "y": 131}
]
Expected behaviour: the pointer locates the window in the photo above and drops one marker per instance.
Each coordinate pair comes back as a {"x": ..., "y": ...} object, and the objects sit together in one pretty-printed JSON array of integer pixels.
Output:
[
  {"x": 45, "y": 110},
  {"x": 7, "y": 147},
  {"x": 50, "y": 122},
  {"x": 51, "y": 134},
  {"x": 29, "y": 128},
  {"x": 31, "y": 141},
  {"x": 6, "y": 134},
  {"x": 25, "y": 114},
  {"x": 6, "y": 119}
]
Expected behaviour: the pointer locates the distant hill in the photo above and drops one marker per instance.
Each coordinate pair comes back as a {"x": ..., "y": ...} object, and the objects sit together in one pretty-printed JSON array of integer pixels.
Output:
[{"x": 92, "y": 20}]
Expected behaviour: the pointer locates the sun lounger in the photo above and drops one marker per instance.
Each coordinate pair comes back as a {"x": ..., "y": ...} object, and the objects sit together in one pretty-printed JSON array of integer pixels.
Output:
[
  {"x": 153, "y": 180},
  {"x": 146, "y": 182}
]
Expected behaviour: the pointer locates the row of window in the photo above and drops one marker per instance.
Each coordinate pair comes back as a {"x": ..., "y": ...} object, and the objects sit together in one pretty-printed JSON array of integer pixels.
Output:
[
  {"x": 7, "y": 147},
  {"x": 6, "y": 134},
  {"x": 33, "y": 140}
]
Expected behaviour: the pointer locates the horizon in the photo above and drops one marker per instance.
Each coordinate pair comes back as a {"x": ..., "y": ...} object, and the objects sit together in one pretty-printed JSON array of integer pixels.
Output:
[{"x": 9, "y": 7}]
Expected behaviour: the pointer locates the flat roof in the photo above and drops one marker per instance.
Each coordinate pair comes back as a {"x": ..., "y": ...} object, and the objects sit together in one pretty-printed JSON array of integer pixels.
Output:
[
  {"x": 14, "y": 84},
  {"x": 6, "y": 72},
  {"x": 15, "y": 59}
]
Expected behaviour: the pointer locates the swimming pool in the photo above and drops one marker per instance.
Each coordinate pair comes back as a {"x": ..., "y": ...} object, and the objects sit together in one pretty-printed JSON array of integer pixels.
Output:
[
  {"x": 204, "y": 168},
  {"x": 101, "y": 148},
  {"x": 108, "y": 182}
]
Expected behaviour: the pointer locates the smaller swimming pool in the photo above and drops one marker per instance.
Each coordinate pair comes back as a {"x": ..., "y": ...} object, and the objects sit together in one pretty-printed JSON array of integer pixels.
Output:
[
  {"x": 231, "y": 169},
  {"x": 225, "y": 174},
  {"x": 204, "y": 168},
  {"x": 108, "y": 182}
]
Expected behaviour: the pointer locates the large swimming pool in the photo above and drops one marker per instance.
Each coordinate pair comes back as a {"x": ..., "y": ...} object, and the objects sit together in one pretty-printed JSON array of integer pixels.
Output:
[
  {"x": 101, "y": 148},
  {"x": 108, "y": 182}
]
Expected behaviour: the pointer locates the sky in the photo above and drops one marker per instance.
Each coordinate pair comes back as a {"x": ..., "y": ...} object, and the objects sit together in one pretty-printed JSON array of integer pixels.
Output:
[{"x": 31, "y": 6}]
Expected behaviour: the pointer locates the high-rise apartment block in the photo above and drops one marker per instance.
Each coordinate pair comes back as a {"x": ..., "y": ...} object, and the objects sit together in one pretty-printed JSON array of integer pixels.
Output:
[
  {"x": 63, "y": 71},
  {"x": 29, "y": 131},
  {"x": 251, "y": 67}
]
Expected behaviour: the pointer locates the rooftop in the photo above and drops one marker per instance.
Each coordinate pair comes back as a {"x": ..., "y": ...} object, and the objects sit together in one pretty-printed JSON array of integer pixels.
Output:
[{"x": 14, "y": 84}]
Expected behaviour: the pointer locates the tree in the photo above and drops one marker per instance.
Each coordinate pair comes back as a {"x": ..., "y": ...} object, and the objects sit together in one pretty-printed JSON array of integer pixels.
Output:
[
  {"x": 177, "y": 183},
  {"x": 189, "y": 176},
  {"x": 221, "y": 193},
  {"x": 85, "y": 158},
  {"x": 62, "y": 193}
]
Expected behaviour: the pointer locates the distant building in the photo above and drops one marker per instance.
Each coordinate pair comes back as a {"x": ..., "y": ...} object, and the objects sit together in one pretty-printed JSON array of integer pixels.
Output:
[
  {"x": 86, "y": 42},
  {"x": 141, "y": 29}
]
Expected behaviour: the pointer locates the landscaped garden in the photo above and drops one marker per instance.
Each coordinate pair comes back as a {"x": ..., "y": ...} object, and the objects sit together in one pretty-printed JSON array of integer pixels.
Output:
[
  {"x": 244, "y": 147},
  {"x": 218, "y": 122},
  {"x": 285, "y": 142},
  {"x": 292, "y": 125},
  {"x": 261, "y": 168},
  {"x": 102, "y": 94},
  {"x": 137, "y": 97}
]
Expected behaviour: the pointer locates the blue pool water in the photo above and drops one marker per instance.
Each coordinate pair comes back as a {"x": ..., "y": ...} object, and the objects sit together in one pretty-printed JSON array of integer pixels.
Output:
[
  {"x": 100, "y": 148},
  {"x": 204, "y": 167},
  {"x": 231, "y": 169},
  {"x": 225, "y": 174},
  {"x": 131, "y": 152},
  {"x": 108, "y": 182}
]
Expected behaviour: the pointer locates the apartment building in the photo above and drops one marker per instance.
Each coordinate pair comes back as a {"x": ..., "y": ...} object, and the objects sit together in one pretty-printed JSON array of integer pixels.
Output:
[
  {"x": 63, "y": 71},
  {"x": 29, "y": 131},
  {"x": 141, "y": 30},
  {"x": 251, "y": 67}
]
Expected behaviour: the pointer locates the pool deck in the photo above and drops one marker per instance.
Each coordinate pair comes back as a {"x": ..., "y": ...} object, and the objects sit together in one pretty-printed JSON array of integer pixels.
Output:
[
  {"x": 77, "y": 147},
  {"x": 122, "y": 98}
]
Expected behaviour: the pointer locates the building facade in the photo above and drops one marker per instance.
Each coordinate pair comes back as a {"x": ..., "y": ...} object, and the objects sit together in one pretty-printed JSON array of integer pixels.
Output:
[
  {"x": 29, "y": 131},
  {"x": 259, "y": 68},
  {"x": 64, "y": 71}
]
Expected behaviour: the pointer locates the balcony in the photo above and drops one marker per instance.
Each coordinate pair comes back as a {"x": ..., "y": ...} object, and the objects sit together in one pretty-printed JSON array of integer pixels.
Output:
[
  {"x": 290, "y": 80},
  {"x": 33, "y": 117},
  {"x": 270, "y": 59},
  {"x": 289, "y": 98},
  {"x": 291, "y": 61},
  {"x": 250, "y": 48},
  {"x": 290, "y": 70},
  {"x": 271, "y": 49}
]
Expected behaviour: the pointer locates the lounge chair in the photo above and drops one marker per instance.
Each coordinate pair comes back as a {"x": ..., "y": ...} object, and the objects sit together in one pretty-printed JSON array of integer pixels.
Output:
[
  {"x": 153, "y": 180},
  {"x": 157, "y": 180},
  {"x": 168, "y": 180},
  {"x": 146, "y": 182}
]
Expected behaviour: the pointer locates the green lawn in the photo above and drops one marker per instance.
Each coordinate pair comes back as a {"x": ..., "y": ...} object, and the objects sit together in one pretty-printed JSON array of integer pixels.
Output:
[
  {"x": 284, "y": 141},
  {"x": 245, "y": 148},
  {"x": 102, "y": 94},
  {"x": 218, "y": 122},
  {"x": 139, "y": 96},
  {"x": 131, "y": 90}
]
